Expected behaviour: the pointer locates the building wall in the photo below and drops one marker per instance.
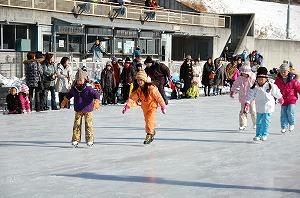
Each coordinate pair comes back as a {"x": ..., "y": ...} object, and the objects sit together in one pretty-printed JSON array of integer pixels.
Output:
[{"x": 275, "y": 51}]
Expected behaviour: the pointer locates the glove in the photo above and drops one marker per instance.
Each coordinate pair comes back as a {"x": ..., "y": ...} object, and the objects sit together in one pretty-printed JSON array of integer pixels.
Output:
[
  {"x": 246, "y": 107},
  {"x": 125, "y": 109},
  {"x": 64, "y": 103},
  {"x": 96, "y": 104},
  {"x": 281, "y": 101},
  {"x": 232, "y": 94},
  {"x": 163, "y": 110}
]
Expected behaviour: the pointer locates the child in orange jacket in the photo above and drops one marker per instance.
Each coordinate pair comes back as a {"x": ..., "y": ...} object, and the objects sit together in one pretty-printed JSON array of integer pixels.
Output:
[{"x": 145, "y": 93}]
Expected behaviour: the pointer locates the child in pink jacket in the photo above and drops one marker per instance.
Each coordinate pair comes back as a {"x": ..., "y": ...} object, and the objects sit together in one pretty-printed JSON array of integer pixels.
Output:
[
  {"x": 290, "y": 88},
  {"x": 23, "y": 95},
  {"x": 243, "y": 84}
]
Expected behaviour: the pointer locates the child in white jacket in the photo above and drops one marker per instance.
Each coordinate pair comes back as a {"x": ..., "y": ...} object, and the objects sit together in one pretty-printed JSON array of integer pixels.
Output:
[{"x": 263, "y": 92}]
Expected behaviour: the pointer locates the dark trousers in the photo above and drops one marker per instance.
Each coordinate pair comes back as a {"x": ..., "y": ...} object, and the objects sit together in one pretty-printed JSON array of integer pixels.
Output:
[
  {"x": 61, "y": 98},
  {"x": 207, "y": 90},
  {"x": 53, "y": 98},
  {"x": 125, "y": 92},
  {"x": 37, "y": 101},
  {"x": 108, "y": 97}
]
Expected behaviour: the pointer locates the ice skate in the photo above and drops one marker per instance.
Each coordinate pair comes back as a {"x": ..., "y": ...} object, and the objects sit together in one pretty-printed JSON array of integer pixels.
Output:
[
  {"x": 242, "y": 128},
  {"x": 149, "y": 138},
  {"x": 291, "y": 128},
  {"x": 264, "y": 138},
  {"x": 90, "y": 144},
  {"x": 256, "y": 139},
  {"x": 283, "y": 131},
  {"x": 75, "y": 144}
]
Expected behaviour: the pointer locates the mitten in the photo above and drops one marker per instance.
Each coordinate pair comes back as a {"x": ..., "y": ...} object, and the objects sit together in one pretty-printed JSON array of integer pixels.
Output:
[
  {"x": 163, "y": 110},
  {"x": 125, "y": 109},
  {"x": 64, "y": 103},
  {"x": 281, "y": 101},
  {"x": 96, "y": 104}
]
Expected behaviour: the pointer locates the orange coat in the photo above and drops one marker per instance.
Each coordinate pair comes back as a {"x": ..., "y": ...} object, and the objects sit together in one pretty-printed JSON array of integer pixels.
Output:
[{"x": 149, "y": 106}]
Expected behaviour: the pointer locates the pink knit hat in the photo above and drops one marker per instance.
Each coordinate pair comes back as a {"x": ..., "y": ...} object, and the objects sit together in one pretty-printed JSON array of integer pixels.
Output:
[
  {"x": 24, "y": 88},
  {"x": 246, "y": 69}
]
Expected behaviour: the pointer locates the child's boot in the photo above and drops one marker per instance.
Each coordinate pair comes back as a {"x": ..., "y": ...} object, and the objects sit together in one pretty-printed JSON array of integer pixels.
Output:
[
  {"x": 90, "y": 144},
  {"x": 149, "y": 138},
  {"x": 75, "y": 144},
  {"x": 256, "y": 139},
  {"x": 291, "y": 128}
]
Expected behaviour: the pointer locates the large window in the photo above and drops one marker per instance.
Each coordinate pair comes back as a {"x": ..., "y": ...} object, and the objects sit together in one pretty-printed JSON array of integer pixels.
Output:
[
  {"x": 149, "y": 46},
  {"x": 124, "y": 45},
  {"x": 75, "y": 43},
  {"x": 21, "y": 32},
  {"x": 61, "y": 43},
  {"x": 105, "y": 43},
  {"x": 9, "y": 37},
  {"x": 47, "y": 43}
]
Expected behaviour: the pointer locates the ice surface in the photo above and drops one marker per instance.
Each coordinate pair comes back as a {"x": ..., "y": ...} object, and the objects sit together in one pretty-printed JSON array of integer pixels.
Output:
[{"x": 198, "y": 152}]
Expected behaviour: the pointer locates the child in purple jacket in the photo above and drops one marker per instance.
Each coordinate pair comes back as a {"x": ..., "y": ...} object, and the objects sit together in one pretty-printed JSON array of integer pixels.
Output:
[{"x": 86, "y": 99}]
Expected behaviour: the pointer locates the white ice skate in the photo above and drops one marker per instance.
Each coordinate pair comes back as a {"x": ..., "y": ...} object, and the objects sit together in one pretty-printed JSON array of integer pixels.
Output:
[
  {"x": 75, "y": 144},
  {"x": 264, "y": 138},
  {"x": 256, "y": 139},
  {"x": 283, "y": 131},
  {"x": 90, "y": 144},
  {"x": 291, "y": 128},
  {"x": 242, "y": 128}
]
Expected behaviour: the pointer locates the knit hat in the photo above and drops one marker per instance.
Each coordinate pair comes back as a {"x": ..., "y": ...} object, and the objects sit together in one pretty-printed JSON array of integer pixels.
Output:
[
  {"x": 24, "y": 88},
  {"x": 114, "y": 59},
  {"x": 127, "y": 59},
  {"x": 148, "y": 60},
  {"x": 283, "y": 67},
  {"x": 81, "y": 75},
  {"x": 141, "y": 75},
  {"x": 15, "y": 88},
  {"x": 246, "y": 69},
  {"x": 262, "y": 72},
  {"x": 188, "y": 57}
]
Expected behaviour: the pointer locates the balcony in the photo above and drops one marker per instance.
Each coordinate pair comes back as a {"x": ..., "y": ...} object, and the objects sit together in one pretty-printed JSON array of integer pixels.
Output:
[{"x": 132, "y": 12}]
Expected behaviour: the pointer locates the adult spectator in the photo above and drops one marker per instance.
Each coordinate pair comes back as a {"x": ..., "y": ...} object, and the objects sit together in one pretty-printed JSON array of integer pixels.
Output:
[
  {"x": 159, "y": 74},
  {"x": 137, "y": 52},
  {"x": 226, "y": 54},
  {"x": 208, "y": 76},
  {"x": 153, "y": 5},
  {"x": 33, "y": 78},
  {"x": 219, "y": 80},
  {"x": 186, "y": 74},
  {"x": 137, "y": 60},
  {"x": 50, "y": 75},
  {"x": 108, "y": 84},
  {"x": 117, "y": 73},
  {"x": 127, "y": 78},
  {"x": 197, "y": 72},
  {"x": 64, "y": 79},
  {"x": 97, "y": 50}
]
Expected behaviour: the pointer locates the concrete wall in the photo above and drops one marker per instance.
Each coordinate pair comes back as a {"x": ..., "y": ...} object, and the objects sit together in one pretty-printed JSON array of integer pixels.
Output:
[
  {"x": 220, "y": 40},
  {"x": 275, "y": 51}
]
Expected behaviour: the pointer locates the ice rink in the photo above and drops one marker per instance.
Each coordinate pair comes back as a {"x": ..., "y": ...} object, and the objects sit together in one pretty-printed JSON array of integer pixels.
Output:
[{"x": 197, "y": 152}]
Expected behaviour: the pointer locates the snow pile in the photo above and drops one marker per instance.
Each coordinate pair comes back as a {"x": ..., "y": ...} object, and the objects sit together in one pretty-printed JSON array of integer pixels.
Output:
[
  {"x": 270, "y": 18},
  {"x": 11, "y": 81}
]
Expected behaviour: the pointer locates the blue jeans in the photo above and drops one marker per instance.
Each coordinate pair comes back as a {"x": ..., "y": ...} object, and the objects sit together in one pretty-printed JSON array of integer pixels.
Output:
[
  {"x": 287, "y": 116},
  {"x": 262, "y": 124}
]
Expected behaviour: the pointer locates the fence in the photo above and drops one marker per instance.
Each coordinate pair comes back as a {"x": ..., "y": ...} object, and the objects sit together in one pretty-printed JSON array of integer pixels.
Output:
[{"x": 132, "y": 12}]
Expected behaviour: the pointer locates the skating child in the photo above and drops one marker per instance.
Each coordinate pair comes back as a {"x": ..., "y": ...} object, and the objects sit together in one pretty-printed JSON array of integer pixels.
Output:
[
  {"x": 13, "y": 101},
  {"x": 85, "y": 100},
  {"x": 243, "y": 83},
  {"x": 145, "y": 93},
  {"x": 290, "y": 88},
  {"x": 23, "y": 95},
  {"x": 263, "y": 92}
]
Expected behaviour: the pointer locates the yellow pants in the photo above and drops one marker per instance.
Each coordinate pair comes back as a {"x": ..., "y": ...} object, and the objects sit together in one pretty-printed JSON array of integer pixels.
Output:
[
  {"x": 88, "y": 118},
  {"x": 150, "y": 120}
]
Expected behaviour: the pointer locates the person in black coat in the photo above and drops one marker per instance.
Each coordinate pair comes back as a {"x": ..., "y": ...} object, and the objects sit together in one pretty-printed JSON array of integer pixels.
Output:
[
  {"x": 186, "y": 74},
  {"x": 208, "y": 76},
  {"x": 159, "y": 74},
  {"x": 13, "y": 101}
]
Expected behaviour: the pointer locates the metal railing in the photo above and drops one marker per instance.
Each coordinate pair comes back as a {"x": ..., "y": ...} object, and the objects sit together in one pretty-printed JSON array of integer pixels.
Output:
[{"x": 133, "y": 12}]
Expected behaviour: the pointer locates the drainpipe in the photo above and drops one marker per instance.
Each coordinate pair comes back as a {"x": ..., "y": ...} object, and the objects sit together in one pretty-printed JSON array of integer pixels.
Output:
[{"x": 288, "y": 21}]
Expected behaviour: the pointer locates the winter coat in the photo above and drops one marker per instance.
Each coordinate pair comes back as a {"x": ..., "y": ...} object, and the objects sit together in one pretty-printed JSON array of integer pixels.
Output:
[
  {"x": 207, "y": 70},
  {"x": 186, "y": 75},
  {"x": 84, "y": 99},
  {"x": 33, "y": 73},
  {"x": 220, "y": 77},
  {"x": 264, "y": 97},
  {"x": 232, "y": 72},
  {"x": 108, "y": 81},
  {"x": 197, "y": 73},
  {"x": 64, "y": 79},
  {"x": 159, "y": 74},
  {"x": 289, "y": 90},
  {"x": 117, "y": 72},
  {"x": 153, "y": 100},
  {"x": 25, "y": 103},
  {"x": 243, "y": 84},
  {"x": 49, "y": 72},
  {"x": 13, "y": 103},
  {"x": 128, "y": 74},
  {"x": 98, "y": 52}
]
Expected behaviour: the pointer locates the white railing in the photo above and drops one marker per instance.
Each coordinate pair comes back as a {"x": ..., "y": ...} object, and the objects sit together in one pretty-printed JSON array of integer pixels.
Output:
[{"x": 133, "y": 12}]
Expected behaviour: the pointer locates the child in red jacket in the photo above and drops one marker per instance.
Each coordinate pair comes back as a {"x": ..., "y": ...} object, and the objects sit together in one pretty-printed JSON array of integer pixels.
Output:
[
  {"x": 23, "y": 95},
  {"x": 290, "y": 88}
]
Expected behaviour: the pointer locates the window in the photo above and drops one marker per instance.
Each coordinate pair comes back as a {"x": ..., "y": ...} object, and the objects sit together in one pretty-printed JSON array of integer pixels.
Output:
[
  {"x": 8, "y": 37},
  {"x": 61, "y": 43},
  {"x": 46, "y": 43},
  {"x": 106, "y": 44},
  {"x": 128, "y": 46},
  {"x": 149, "y": 46},
  {"x": 21, "y": 32},
  {"x": 75, "y": 43},
  {"x": 118, "y": 45}
]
